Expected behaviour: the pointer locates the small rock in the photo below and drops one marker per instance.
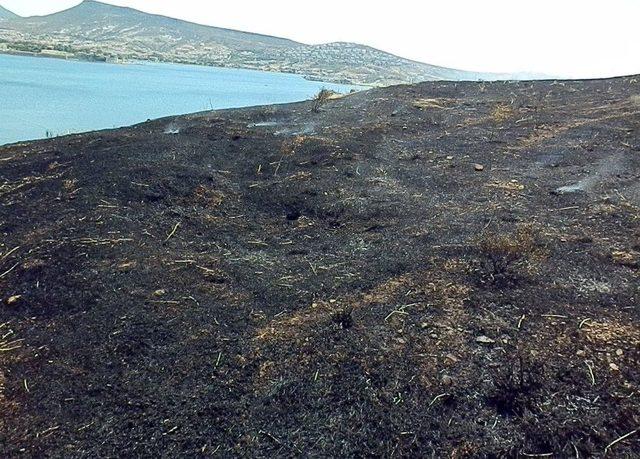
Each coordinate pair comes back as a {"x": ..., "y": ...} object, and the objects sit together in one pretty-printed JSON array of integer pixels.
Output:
[
  {"x": 447, "y": 380},
  {"x": 484, "y": 340},
  {"x": 153, "y": 195},
  {"x": 451, "y": 358},
  {"x": 159, "y": 292},
  {"x": 568, "y": 189},
  {"x": 434, "y": 336},
  {"x": 13, "y": 299},
  {"x": 479, "y": 167},
  {"x": 619, "y": 352},
  {"x": 449, "y": 158},
  {"x": 424, "y": 325},
  {"x": 581, "y": 353},
  {"x": 614, "y": 367},
  {"x": 127, "y": 266}
]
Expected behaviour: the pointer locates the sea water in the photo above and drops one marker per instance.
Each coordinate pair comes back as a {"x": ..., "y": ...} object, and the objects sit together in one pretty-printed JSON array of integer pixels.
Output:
[{"x": 43, "y": 97}]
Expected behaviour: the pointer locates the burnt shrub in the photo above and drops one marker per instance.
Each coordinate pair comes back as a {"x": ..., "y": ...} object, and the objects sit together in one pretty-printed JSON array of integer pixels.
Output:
[
  {"x": 323, "y": 96},
  {"x": 344, "y": 318},
  {"x": 507, "y": 258},
  {"x": 515, "y": 387}
]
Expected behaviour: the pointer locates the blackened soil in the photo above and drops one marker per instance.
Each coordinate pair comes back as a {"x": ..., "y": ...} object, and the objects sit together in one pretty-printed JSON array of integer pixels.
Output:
[{"x": 446, "y": 270}]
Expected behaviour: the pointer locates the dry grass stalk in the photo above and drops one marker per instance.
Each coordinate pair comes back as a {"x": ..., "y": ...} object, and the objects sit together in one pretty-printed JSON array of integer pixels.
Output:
[{"x": 320, "y": 99}]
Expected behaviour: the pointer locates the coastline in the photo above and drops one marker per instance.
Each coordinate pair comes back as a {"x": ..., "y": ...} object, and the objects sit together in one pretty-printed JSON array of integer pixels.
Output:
[
  {"x": 104, "y": 60},
  {"x": 35, "y": 91}
]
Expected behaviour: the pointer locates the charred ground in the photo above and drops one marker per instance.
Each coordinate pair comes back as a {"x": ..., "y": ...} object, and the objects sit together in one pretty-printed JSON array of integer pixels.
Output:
[{"x": 447, "y": 269}]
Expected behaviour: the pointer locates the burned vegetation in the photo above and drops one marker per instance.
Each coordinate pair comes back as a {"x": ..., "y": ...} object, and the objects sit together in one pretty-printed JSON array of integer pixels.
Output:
[
  {"x": 438, "y": 270},
  {"x": 507, "y": 258}
]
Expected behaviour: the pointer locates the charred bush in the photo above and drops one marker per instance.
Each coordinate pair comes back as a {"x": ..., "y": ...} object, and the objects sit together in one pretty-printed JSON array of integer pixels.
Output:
[
  {"x": 293, "y": 215},
  {"x": 320, "y": 99},
  {"x": 344, "y": 318},
  {"x": 505, "y": 257},
  {"x": 515, "y": 387}
]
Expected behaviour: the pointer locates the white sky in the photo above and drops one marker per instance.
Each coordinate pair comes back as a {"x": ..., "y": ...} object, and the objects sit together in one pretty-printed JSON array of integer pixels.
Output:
[{"x": 571, "y": 38}]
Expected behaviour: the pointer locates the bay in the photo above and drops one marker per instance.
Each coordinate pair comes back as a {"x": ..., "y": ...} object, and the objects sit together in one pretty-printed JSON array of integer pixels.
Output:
[{"x": 42, "y": 97}]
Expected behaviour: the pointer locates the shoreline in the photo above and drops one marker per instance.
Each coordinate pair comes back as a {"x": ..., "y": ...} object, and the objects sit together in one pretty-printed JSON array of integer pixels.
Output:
[
  {"x": 136, "y": 87},
  {"x": 100, "y": 60}
]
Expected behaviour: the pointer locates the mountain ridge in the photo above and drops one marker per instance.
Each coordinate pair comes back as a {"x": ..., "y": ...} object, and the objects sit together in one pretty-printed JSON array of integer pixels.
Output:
[
  {"x": 100, "y": 31},
  {"x": 98, "y": 4},
  {"x": 6, "y": 14},
  {"x": 92, "y": 7}
]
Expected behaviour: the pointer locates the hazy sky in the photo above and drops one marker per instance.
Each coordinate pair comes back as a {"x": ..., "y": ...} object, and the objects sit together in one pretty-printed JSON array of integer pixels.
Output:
[{"x": 578, "y": 38}]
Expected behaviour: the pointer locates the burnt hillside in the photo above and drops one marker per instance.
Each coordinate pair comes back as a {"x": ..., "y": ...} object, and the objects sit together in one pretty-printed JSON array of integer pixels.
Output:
[{"x": 447, "y": 269}]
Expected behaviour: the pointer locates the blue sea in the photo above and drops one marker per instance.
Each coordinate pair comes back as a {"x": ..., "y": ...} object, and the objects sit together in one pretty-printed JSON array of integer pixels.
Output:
[{"x": 41, "y": 97}]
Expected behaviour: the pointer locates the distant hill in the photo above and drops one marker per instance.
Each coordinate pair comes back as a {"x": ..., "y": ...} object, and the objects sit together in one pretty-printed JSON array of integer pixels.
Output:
[
  {"x": 105, "y": 32},
  {"x": 6, "y": 14}
]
